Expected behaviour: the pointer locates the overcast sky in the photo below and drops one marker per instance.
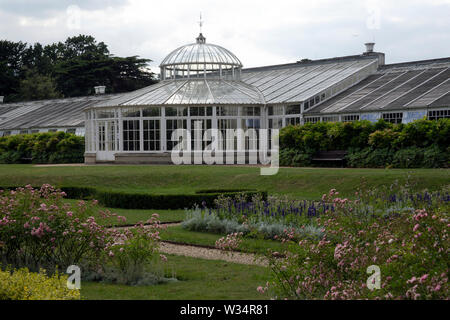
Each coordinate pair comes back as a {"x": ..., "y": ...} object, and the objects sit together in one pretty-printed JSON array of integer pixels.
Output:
[{"x": 259, "y": 32}]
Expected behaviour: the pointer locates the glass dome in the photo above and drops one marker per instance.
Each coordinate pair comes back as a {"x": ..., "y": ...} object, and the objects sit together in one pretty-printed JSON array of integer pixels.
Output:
[{"x": 201, "y": 60}]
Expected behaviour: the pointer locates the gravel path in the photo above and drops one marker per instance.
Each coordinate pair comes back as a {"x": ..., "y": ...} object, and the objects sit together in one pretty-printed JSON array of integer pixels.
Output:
[
  {"x": 209, "y": 253},
  {"x": 212, "y": 254}
]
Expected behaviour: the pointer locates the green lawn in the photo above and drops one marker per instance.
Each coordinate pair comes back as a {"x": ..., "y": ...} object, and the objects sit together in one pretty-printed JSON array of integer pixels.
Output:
[
  {"x": 302, "y": 183},
  {"x": 198, "y": 280},
  {"x": 178, "y": 234},
  {"x": 134, "y": 216}
]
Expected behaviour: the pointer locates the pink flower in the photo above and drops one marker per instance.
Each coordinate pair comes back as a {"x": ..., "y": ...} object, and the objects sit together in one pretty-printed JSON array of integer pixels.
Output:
[
  {"x": 416, "y": 227},
  {"x": 163, "y": 257},
  {"x": 423, "y": 278},
  {"x": 260, "y": 289}
]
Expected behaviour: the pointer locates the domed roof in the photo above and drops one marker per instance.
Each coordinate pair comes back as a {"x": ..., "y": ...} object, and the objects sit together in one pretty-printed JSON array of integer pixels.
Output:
[{"x": 201, "y": 56}]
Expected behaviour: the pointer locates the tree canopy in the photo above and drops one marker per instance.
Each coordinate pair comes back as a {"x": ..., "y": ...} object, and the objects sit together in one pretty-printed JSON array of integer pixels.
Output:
[{"x": 67, "y": 69}]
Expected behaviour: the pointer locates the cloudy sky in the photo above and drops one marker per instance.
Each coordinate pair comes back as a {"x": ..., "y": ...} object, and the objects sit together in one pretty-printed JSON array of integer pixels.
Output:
[{"x": 259, "y": 32}]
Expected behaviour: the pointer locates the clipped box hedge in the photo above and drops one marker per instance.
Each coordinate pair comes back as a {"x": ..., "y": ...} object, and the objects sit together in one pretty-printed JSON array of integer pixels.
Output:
[
  {"x": 115, "y": 199},
  {"x": 128, "y": 200}
]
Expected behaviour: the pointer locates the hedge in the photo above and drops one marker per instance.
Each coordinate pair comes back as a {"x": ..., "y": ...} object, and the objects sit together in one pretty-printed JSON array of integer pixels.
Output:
[
  {"x": 47, "y": 147},
  {"x": 128, "y": 200},
  {"x": 422, "y": 143}
]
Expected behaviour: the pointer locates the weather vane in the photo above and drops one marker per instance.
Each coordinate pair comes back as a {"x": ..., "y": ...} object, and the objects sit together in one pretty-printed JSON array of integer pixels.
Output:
[{"x": 200, "y": 23}]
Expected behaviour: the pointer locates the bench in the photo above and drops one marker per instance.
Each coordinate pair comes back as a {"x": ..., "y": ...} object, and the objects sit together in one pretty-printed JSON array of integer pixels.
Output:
[
  {"x": 26, "y": 160},
  {"x": 336, "y": 155}
]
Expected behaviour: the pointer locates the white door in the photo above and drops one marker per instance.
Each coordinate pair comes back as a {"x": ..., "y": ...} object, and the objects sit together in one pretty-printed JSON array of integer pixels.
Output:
[{"x": 107, "y": 140}]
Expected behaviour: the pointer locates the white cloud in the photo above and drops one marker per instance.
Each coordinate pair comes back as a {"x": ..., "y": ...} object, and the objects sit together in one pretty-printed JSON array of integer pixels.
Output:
[{"x": 258, "y": 32}]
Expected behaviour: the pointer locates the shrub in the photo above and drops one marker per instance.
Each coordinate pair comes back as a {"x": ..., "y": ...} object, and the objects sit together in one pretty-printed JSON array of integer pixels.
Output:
[
  {"x": 369, "y": 144},
  {"x": 411, "y": 250},
  {"x": 48, "y": 147},
  {"x": 9, "y": 157},
  {"x": 384, "y": 139},
  {"x": 411, "y": 157},
  {"x": 433, "y": 157},
  {"x": 294, "y": 158},
  {"x": 24, "y": 285},
  {"x": 37, "y": 229},
  {"x": 266, "y": 230},
  {"x": 133, "y": 259}
]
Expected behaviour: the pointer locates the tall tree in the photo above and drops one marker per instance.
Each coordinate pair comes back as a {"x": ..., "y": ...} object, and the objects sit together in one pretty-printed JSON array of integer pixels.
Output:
[
  {"x": 36, "y": 86},
  {"x": 11, "y": 67},
  {"x": 75, "y": 65}
]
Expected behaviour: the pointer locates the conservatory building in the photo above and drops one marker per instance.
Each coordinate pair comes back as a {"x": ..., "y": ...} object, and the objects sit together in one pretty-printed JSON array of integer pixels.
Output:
[
  {"x": 200, "y": 89},
  {"x": 204, "y": 88}
]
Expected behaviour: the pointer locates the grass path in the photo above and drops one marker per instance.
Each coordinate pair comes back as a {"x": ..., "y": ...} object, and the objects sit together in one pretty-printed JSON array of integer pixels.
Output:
[{"x": 198, "y": 279}]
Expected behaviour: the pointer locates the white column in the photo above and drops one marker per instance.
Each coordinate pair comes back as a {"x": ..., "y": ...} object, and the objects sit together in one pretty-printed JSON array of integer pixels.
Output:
[
  {"x": 120, "y": 133},
  {"x": 162, "y": 126},
  {"x": 141, "y": 131}
]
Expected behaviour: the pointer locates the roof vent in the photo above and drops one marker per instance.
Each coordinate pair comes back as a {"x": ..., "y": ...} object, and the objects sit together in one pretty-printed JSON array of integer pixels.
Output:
[
  {"x": 369, "y": 47},
  {"x": 100, "y": 89},
  {"x": 1, "y": 99}
]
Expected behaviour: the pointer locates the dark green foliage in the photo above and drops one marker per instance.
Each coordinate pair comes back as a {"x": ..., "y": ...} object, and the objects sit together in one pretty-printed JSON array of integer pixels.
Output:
[
  {"x": 408, "y": 158},
  {"x": 434, "y": 157},
  {"x": 422, "y": 143},
  {"x": 38, "y": 87},
  {"x": 127, "y": 200},
  {"x": 116, "y": 199},
  {"x": 294, "y": 158},
  {"x": 369, "y": 158},
  {"x": 10, "y": 157},
  {"x": 70, "y": 68},
  {"x": 48, "y": 147},
  {"x": 206, "y": 191}
]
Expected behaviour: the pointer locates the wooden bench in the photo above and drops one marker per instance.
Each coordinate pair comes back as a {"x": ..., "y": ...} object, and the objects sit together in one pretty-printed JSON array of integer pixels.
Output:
[{"x": 332, "y": 156}]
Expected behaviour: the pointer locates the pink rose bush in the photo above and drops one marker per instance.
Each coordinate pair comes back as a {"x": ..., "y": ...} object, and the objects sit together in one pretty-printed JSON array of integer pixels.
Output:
[
  {"x": 39, "y": 229},
  {"x": 411, "y": 249}
]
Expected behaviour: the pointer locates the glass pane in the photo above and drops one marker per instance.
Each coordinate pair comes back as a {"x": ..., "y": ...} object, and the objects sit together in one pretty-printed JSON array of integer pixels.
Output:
[
  {"x": 295, "y": 109},
  {"x": 131, "y": 113},
  {"x": 151, "y": 112}
]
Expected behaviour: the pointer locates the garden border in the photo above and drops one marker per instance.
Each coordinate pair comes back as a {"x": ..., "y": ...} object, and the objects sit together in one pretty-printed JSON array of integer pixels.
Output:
[{"x": 127, "y": 200}]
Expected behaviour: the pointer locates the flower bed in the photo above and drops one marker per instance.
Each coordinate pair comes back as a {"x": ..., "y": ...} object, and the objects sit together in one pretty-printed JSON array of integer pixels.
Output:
[
  {"x": 408, "y": 245},
  {"x": 39, "y": 230}
]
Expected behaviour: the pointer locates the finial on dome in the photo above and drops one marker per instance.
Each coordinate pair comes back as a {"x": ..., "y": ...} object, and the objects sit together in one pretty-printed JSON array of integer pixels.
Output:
[{"x": 201, "y": 38}]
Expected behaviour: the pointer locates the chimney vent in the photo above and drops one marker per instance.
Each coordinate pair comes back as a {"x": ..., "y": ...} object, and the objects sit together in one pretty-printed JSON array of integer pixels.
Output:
[
  {"x": 369, "y": 47},
  {"x": 100, "y": 89},
  {"x": 1, "y": 99}
]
